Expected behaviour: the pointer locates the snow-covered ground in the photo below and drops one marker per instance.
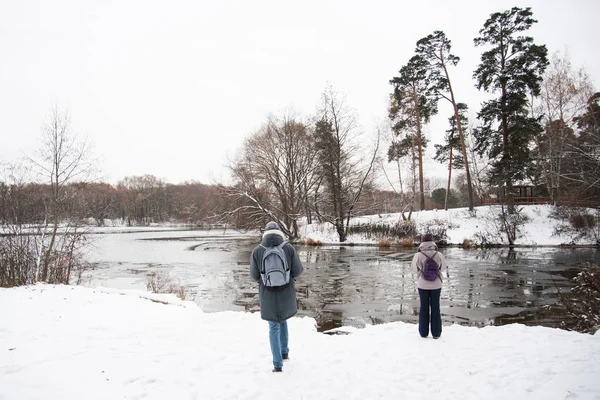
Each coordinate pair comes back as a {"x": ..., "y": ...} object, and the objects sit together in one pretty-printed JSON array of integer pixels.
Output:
[
  {"x": 461, "y": 225},
  {"x": 66, "y": 342}
]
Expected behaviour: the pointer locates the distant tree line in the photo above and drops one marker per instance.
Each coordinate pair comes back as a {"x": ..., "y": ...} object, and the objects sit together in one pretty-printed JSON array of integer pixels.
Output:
[
  {"x": 141, "y": 201},
  {"x": 136, "y": 200}
]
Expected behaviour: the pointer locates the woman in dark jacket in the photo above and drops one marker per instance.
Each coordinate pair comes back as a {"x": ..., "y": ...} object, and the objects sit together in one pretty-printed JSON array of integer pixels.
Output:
[{"x": 276, "y": 305}]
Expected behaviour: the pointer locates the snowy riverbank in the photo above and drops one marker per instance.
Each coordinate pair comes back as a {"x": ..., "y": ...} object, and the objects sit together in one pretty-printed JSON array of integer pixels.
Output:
[
  {"x": 460, "y": 225},
  {"x": 65, "y": 342}
]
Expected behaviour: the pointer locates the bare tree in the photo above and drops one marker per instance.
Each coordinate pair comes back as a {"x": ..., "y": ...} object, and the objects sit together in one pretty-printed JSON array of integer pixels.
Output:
[
  {"x": 275, "y": 173},
  {"x": 62, "y": 158},
  {"x": 146, "y": 198},
  {"x": 565, "y": 91},
  {"x": 18, "y": 249},
  {"x": 480, "y": 166},
  {"x": 345, "y": 167},
  {"x": 565, "y": 94},
  {"x": 584, "y": 172},
  {"x": 402, "y": 166},
  {"x": 97, "y": 200}
]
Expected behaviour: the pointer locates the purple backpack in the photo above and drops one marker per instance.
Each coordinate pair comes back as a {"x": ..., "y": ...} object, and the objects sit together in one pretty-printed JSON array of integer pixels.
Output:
[{"x": 431, "y": 269}]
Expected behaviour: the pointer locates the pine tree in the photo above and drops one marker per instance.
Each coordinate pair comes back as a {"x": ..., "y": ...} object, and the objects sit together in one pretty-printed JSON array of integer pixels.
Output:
[
  {"x": 511, "y": 69},
  {"x": 412, "y": 105},
  {"x": 451, "y": 150},
  {"x": 435, "y": 50}
]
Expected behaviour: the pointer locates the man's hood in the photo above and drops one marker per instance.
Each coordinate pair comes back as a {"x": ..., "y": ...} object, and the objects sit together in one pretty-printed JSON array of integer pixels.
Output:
[{"x": 272, "y": 237}]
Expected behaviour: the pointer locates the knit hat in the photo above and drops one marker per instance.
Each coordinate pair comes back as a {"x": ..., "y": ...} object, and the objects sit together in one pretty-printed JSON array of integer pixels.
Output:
[
  {"x": 272, "y": 225},
  {"x": 428, "y": 237}
]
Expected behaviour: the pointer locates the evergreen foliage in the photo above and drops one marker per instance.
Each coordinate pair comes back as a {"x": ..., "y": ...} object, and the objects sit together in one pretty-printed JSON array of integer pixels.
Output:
[
  {"x": 412, "y": 104},
  {"x": 439, "y": 196},
  {"x": 511, "y": 69},
  {"x": 435, "y": 50},
  {"x": 452, "y": 146}
]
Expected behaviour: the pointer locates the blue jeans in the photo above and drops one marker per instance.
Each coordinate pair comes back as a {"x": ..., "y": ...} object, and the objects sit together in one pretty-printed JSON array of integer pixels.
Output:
[
  {"x": 278, "y": 336},
  {"x": 430, "y": 299}
]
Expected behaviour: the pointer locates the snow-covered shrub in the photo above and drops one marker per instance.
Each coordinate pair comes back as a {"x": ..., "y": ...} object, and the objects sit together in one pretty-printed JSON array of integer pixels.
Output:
[
  {"x": 438, "y": 228},
  {"x": 500, "y": 226},
  {"x": 406, "y": 229},
  {"x": 160, "y": 282},
  {"x": 468, "y": 244},
  {"x": 579, "y": 223},
  {"x": 398, "y": 230},
  {"x": 583, "y": 302},
  {"x": 25, "y": 258},
  {"x": 510, "y": 223},
  {"x": 18, "y": 259}
]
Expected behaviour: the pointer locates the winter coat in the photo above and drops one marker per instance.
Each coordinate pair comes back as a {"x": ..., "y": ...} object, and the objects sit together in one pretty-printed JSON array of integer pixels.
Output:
[
  {"x": 431, "y": 249},
  {"x": 276, "y": 306}
]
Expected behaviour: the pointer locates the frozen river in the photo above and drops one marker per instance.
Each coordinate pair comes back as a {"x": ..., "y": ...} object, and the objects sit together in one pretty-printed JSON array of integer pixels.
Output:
[{"x": 342, "y": 286}]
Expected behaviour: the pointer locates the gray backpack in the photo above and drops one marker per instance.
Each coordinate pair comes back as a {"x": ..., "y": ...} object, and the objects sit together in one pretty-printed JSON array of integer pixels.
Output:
[{"x": 275, "y": 272}]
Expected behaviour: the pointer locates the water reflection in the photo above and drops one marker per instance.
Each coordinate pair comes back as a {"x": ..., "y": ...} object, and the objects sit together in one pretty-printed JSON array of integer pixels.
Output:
[
  {"x": 353, "y": 285},
  {"x": 357, "y": 286}
]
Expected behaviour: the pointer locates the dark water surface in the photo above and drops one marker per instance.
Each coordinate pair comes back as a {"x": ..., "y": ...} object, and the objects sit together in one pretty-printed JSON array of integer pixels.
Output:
[{"x": 348, "y": 286}]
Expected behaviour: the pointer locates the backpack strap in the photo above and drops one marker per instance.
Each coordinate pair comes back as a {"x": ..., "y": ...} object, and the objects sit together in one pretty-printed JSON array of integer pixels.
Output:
[
  {"x": 439, "y": 268},
  {"x": 287, "y": 264},
  {"x": 428, "y": 258},
  {"x": 262, "y": 264}
]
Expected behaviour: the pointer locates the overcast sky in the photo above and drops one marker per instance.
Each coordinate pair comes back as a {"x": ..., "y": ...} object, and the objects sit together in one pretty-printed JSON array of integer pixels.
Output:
[{"x": 173, "y": 88}]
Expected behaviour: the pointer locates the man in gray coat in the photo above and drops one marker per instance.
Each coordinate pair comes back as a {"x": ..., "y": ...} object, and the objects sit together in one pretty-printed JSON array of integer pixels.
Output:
[{"x": 276, "y": 304}]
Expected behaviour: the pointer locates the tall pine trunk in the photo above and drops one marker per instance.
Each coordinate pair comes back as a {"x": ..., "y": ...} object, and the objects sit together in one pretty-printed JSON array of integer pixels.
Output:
[
  {"x": 449, "y": 176},
  {"x": 462, "y": 141},
  {"x": 420, "y": 149}
]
